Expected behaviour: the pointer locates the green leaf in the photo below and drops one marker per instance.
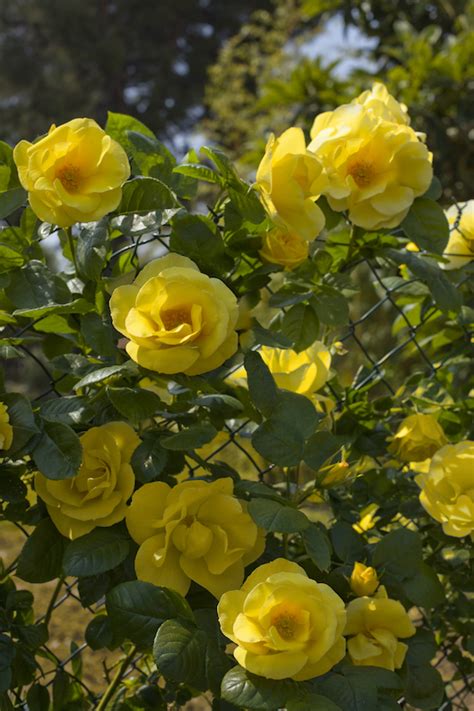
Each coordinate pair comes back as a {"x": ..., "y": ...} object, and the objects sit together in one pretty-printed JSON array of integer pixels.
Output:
[
  {"x": 7, "y": 654},
  {"x": 149, "y": 459},
  {"x": 118, "y": 126},
  {"x": 12, "y": 488},
  {"x": 99, "y": 632},
  {"x": 322, "y": 446},
  {"x": 217, "y": 662},
  {"x": 424, "y": 687},
  {"x": 199, "y": 172},
  {"x": 11, "y": 200},
  {"x": 424, "y": 588},
  {"x": 101, "y": 374},
  {"x": 222, "y": 163},
  {"x": 71, "y": 410},
  {"x": 422, "y": 648},
  {"x": 348, "y": 694},
  {"x": 37, "y": 698},
  {"x": 142, "y": 195},
  {"x": 435, "y": 190},
  {"x": 273, "y": 516},
  {"x": 10, "y": 258},
  {"x": 262, "y": 389},
  {"x": 196, "y": 237},
  {"x": 180, "y": 653},
  {"x": 42, "y": 555},
  {"x": 35, "y": 285},
  {"x": 99, "y": 334},
  {"x": 98, "y": 551},
  {"x": 348, "y": 545},
  {"x": 190, "y": 438},
  {"x": 58, "y": 453},
  {"x": 446, "y": 295},
  {"x": 136, "y": 404},
  {"x": 399, "y": 554},
  {"x": 331, "y": 306},
  {"x": 78, "y": 306},
  {"x": 246, "y": 690},
  {"x": 248, "y": 205},
  {"x": 137, "y": 609},
  {"x": 91, "y": 250},
  {"x": 427, "y": 225},
  {"x": 22, "y": 420},
  {"x": 281, "y": 438},
  {"x": 317, "y": 546},
  {"x": 301, "y": 325},
  {"x": 266, "y": 337}
]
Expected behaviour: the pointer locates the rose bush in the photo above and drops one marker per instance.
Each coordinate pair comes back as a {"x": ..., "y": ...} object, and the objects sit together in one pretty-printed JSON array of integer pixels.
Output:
[{"x": 219, "y": 417}]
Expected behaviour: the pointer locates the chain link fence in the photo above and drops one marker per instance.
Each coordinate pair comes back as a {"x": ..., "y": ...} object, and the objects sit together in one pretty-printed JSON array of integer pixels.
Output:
[{"x": 384, "y": 347}]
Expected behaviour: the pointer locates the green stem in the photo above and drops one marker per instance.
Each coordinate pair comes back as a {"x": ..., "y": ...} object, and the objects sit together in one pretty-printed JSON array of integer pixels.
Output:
[
  {"x": 52, "y": 602},
  {"x": 109, "y": 692},
  {"x": 72, "y": 248}
]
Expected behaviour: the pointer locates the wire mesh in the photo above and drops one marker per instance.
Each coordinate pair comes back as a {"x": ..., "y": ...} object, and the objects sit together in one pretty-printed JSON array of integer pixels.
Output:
[{"x": 404, "y": 352}]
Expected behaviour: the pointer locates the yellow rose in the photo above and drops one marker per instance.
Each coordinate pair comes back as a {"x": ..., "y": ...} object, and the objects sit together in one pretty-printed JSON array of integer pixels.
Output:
[
  {"x": 290, "y": 179},
  {"x": 374, "y": 625},
  {"x": 417, "y": 438},
  {"x": 98, "y": 495},
  {"x": 6, "y": 430},
  {"x": 285, "y": 248},
  {"x": 284, "y": 624},
  {"x": 303, "y": 373},
  {"x": 178, "y": 320},
  {"x": 194, "y": 531},
  {"x": 448, "y": 488},
  {"x": 460, "y": 248},
  {"x": 74, "y": 174},
  {"x": 376, "y": 167},
  {"x": 364, "y": 580},
  {"x": 379, "y": 102}
]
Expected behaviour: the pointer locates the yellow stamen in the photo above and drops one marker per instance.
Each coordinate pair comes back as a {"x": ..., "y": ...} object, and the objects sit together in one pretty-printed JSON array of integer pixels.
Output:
[
  {"x": 286, "y": 626},
  {"x": 362, "y": 173},
  {"x": 174, "y": 317},
  {"x": 70, "y": 177}
]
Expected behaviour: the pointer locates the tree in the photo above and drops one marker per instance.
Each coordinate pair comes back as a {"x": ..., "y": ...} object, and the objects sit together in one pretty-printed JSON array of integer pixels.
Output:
[{"x": 84, "y": 57}]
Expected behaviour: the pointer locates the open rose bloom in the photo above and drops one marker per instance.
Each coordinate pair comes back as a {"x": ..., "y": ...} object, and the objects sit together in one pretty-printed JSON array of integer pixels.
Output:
[
  {"x": 74, "y": 174},
  {"x": 177, "y": 319},
  {"x": 284, "y": 624}
]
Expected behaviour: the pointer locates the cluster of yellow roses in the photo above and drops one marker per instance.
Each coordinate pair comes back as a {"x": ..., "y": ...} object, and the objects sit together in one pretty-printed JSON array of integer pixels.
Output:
[
  {"x": 363, "y": 156},
  {"x": 286, "y": 625},
  {"x": 447, "y": 471},
  {"x": 283, "y": 623}
]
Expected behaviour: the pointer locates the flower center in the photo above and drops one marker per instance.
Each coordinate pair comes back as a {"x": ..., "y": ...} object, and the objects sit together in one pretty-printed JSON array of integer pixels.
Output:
[
  {"x": 70, "y": 177},
  {"x": 362, "y": 173},
  {"x": 286, "y": 625},
  {"x": 175, "y": 317}
]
